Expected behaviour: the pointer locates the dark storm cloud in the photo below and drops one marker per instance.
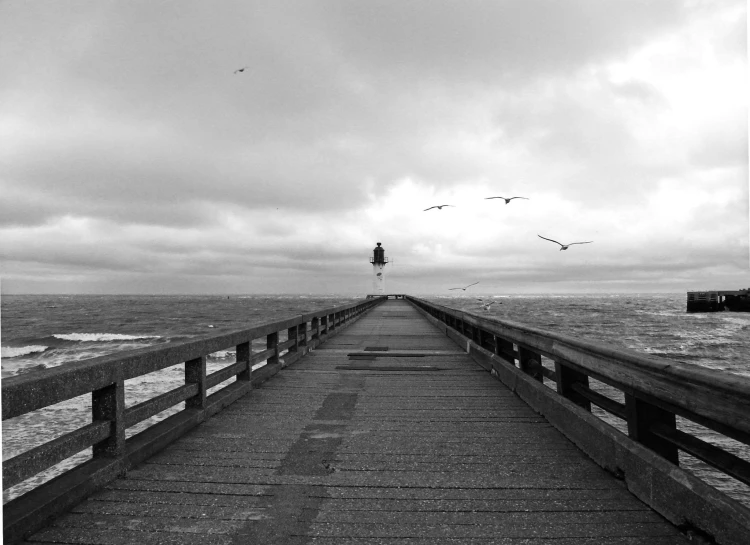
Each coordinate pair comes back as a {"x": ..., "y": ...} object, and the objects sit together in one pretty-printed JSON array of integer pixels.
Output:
[
  {"x": 310, "y": 111},
  {"x": 491, "y": 41}
]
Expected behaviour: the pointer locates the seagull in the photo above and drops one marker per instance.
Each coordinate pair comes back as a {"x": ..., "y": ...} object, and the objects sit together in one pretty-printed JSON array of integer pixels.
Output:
[
  {"x": 565, "y": 246},
  {"x": 487, "y": 305},
  {"x": 470, "y": 285},
  {"x": 506, "y": 200},
  {"x": 241, "y": 69},
  {"x": 439, "y": 207}
]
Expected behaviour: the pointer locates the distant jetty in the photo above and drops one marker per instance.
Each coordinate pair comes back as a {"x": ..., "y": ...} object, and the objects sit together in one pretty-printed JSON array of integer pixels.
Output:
[{"x": 714, "y": 301}]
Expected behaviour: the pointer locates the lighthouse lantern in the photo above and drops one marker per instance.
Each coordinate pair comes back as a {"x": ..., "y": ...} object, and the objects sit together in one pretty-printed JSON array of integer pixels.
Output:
[{"x": 378, "y": 261}]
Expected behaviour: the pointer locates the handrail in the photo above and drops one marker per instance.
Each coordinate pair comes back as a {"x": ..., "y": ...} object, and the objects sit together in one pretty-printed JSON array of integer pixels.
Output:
[
  {"x": 656, "y": 390},
  {"x": 104, "y": 378}
]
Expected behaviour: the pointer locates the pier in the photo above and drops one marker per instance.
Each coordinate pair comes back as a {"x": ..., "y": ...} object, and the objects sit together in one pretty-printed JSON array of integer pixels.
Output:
[
  {"x": 717, "y": 300},
  {"x": 390, "y": 420}
]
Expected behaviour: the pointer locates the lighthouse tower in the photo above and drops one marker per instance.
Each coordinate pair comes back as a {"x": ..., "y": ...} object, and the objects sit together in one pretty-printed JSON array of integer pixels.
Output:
[{"x": 378, "y": 261}]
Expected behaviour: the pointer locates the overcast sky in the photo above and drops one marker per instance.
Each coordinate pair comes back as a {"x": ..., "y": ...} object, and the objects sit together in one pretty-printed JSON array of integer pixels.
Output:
[{"x": 133, "y": 159}]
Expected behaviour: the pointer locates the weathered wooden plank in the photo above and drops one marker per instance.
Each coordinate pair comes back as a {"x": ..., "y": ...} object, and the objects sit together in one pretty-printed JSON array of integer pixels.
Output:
[
  {"x": 495, "y": 507},
  {"x": 537, "y": 530}
]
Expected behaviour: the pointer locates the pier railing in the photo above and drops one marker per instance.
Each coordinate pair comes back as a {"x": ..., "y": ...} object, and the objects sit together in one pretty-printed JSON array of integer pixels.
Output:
[
  {"x": 104, "y": 379},
  {"x": 647, "y": 394}
]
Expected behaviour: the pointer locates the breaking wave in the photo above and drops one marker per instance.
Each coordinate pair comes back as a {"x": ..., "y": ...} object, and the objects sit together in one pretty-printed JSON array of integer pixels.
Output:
[
  {"x": 16, "y": 351},
  {"x": 102, "y": 337}
]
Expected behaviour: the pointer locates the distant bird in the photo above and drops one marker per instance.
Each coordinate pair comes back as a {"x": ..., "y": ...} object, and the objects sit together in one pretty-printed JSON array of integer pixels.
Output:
[
  {"x": 470, "y": 285},
  {"x": 507, "y": 200},
  {"x": 439, "y": 207},
  {"x": 241, "y": 69},
  {"x": 487, "y": 305},
  {"x": 565, "y": 246}
]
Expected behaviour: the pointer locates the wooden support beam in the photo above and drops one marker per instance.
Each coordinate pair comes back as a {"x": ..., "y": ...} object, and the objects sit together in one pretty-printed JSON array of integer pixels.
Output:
[
  {"x": 566, "y": 378},
  {"x": 641, "y": 416},
  {"x": 195, "y": 373},
  {"x": 108, "y": 404},
  {"x": 530, "y": 362}
]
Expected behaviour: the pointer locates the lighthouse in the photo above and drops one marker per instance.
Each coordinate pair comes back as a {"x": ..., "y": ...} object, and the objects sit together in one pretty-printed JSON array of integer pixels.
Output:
[{"x": 378, "y": 261}]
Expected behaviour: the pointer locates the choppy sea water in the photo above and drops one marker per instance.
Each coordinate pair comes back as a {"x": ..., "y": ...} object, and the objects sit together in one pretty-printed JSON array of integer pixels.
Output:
[{"x": 42, "y": 331}]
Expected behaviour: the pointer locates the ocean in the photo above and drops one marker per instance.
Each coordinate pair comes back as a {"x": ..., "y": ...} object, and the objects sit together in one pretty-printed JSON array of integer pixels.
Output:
[{"x": 43, "y": 331}]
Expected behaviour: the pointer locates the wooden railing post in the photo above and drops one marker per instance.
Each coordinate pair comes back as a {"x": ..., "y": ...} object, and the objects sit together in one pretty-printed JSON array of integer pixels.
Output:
[
  {"x": 566, "y": 378},
  {"x": 641, "y": 416},
  {"x": 242, "y": 353},
  {"x": 302, "y": 334},
  {"x": 315, "y": 329},
  {"x": 272, "y": 341},
  {"x": 195, "y": 372},
  {"x": 292, "y": 334},
  {"x": 504, "y": 349},
  {"x": 108, "y": 403},
  {"x": 487, "y": 340},
  {"x": 530, "y": 363}
]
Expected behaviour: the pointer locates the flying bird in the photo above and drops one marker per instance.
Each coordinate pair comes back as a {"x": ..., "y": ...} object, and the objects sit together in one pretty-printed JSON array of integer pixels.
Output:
[
  {"x": 507, "y": 200},
  {"x": 488, "y": 305},
  {"x": 241, "y": 69},
  {"x": 470, "y": 285},
  {"x": 439, "y": 207},
  {"x": 565, "y": 246}
]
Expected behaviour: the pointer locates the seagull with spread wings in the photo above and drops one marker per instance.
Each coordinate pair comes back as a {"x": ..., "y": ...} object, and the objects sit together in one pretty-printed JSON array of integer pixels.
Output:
[
  {"x": 507, "y": 200},
  {"x": 565, "y": 246},
  {"x": 470, "y": 285},
  {"x": 439, "y": 207}
]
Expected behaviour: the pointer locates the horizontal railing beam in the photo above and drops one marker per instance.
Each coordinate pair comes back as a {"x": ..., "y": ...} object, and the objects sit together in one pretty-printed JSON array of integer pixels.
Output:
[
  {"x": 26, "y": 465},
  {"x": 720, "y": 459},
  {"x": 140, "y": 412},
  {"x": 217, "y": 377}
]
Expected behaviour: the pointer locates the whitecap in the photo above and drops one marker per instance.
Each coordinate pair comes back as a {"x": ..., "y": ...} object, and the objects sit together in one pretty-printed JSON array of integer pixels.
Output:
[
  {"x": 223, "y": 354},
  {"x": 102, "y": 337},
  {"x": 15, "y": 351}
]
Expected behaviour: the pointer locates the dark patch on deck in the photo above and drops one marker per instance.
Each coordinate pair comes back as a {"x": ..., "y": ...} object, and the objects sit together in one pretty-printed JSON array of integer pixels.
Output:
[
  {"x": 376, "y": 349},
  {"x": 337, "y": 406},
  {"x": 389, "y": 368},
  {"x": 361, "y": 355},
  {"x": 293, "y": 507}
]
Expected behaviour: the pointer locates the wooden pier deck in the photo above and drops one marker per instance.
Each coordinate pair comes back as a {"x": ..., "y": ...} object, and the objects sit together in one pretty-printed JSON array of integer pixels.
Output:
[{"x": 414, "y": 444}]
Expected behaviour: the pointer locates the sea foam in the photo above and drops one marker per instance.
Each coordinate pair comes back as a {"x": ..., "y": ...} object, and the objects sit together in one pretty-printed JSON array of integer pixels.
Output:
[
  {"x": 102, "y": 337},
  {"x": 16, "y": 351}
]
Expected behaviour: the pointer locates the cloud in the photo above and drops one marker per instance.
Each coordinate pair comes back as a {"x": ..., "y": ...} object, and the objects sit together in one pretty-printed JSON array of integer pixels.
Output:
[{"x": 129, "y": 146}]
